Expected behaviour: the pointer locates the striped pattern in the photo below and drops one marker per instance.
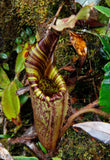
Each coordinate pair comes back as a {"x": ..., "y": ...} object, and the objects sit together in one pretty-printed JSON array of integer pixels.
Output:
[{"x": 38, "y": 64}]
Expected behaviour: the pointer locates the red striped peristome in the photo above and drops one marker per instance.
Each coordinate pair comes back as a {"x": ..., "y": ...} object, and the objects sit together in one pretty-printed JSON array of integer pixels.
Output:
[{"x": 39, "y": 64}]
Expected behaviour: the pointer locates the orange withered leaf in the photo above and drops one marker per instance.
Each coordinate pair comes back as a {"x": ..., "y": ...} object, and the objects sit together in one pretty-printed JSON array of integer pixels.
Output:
[{"x": 80, "y": 46}]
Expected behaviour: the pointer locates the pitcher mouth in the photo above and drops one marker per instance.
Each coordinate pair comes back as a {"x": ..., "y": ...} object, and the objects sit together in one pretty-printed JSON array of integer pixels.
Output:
[{"x": 49, "y": 88}]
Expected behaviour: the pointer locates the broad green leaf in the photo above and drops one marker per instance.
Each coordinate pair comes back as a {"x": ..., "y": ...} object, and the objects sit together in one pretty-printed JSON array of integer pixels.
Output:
[
  {"x": 19, "y": 63},
  {"x": 10, "y": 101},
  {"x": 23, "y": 99},
  {"x": 24, "y": 158},
  {"x": 104, "y": 95},
  {"x": 56, "y": 158},
  {"x": 106, "y": 45},
  {"x": 104, "y": 10},
  {"x": 6, "y": 66},
  {"x": 42, "y": 148},
  {"x": 87, "y": 2},
  {"x": 4, "y": 80}
]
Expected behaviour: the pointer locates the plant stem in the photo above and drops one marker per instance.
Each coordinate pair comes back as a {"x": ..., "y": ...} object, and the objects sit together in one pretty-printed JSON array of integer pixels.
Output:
[
  {"x": 56, "y": 15},
  {"x": 81, "y": 111}
]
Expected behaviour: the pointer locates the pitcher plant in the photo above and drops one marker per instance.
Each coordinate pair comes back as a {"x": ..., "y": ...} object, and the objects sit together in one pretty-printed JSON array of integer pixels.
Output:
[{"x": 48, "y": 91}]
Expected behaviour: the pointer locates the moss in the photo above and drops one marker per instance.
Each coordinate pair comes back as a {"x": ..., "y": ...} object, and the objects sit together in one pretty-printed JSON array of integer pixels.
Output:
[{"x": 79, "y": 145}]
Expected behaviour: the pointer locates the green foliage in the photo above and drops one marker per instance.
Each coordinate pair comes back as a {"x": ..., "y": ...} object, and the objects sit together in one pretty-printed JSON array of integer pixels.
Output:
[
  {"x": 42, "y": 148},
  {"x": 4, "y": 80},
  {"x": 30, "y": 12},
  {"x": 26, "y": 38},
  {"x": 108, "y": 2},
  {"x": 102, "y": 30},
  {"x": 10, "y": 101},
  {"x": 103, "y": 10},
  {"x": 19, "y": 49},
  {"x": 104, "y": 98},
  {"x": 6, "y": 66},
  {"x": 19, "y": 63},
  {"x": 5, "y": 136},
  {"x": 106, "y": 46},
  {"x": 3, "y": 55}
]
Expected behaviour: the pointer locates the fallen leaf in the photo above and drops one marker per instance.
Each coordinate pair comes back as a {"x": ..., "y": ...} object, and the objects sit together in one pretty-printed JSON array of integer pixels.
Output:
[
  {"x": 64, "y": 23},
  {"x": 4, "y": 154},
  {"x": 80, "y": 46},
  {"x": 75, "y": 58},
  {"x": 98, "y": 130},
  {"x": 68, "y": 68},
  {"x": 27, "y": 136},
  {"x": 70, "y": 22}
]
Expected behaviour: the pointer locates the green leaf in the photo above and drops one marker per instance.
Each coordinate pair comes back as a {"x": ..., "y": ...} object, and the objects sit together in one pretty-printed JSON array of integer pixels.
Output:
[
  {"x": 28, "y": 31},
  {"x": 19, "y": 63},
  {"x": 108, "y": 2},
  {"x": 5, "y": 136},
  {"x": 4, "y": 80},
  {"x": 42, "y": 148},
  {"x": 104, "y": 10},
  {"x": 10, "y": 101},
  {"x": 1, "y": 92},
  {"x": 24, "y": 158},
  {"x": 32, "y": 40},
  {"x": 23, "y": 99},
  {"x": 23, "y": 35},
  {"x": 18, "y": 40},
  {"x": 18, "y": 83},
  {"x": 104, "y": 95},
  {"x": 3, "y": 56},
  {"x": 107, "y": 67},
  {"x": 19, "y": 49},
  {"x": 6, "y": 66},
  {"x": 101, "y": 31},
  {"x": 56, "y": 158},
  {"x": 106, "y": 46},
  {"x": 84, "y": 13}
]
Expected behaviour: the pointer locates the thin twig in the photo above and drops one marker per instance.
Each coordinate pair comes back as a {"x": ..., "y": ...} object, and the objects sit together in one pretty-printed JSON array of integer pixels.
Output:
[
  {"x": 81, "y": 111},
  {"x": 23, "y": 90},
  {"x": 55, "y": 17}
]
